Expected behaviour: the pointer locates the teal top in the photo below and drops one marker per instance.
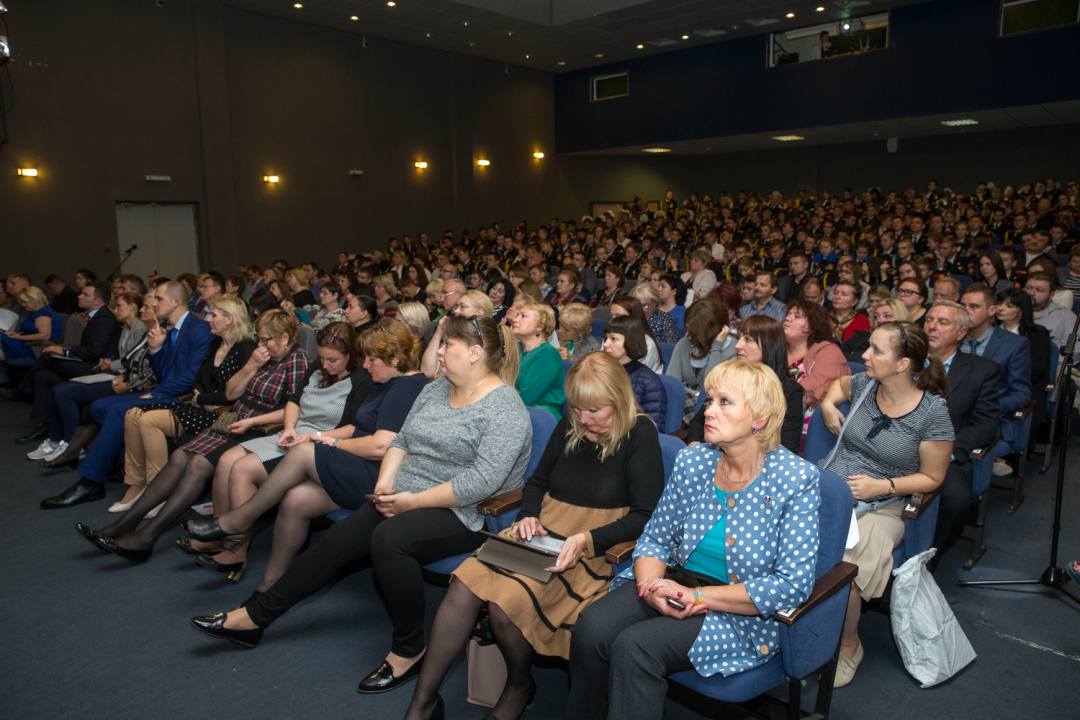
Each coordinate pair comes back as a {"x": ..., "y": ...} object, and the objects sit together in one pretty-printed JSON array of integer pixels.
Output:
[
  {"x": 708, "y": 557},
  {"x": 541, "y": 377}
]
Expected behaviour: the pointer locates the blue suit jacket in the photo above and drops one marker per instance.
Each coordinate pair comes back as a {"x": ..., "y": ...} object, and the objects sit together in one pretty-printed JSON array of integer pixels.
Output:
[
  {"x": 1013, "y": 354},
  {"x": 176, "y": 365}
]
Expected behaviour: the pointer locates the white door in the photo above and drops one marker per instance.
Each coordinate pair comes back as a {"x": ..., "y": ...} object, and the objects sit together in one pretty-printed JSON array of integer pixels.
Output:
[{"x": 166, "y": 238}]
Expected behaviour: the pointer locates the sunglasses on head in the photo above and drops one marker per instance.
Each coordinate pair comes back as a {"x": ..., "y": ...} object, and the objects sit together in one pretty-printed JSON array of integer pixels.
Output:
[{"x": 321, "y": 336}]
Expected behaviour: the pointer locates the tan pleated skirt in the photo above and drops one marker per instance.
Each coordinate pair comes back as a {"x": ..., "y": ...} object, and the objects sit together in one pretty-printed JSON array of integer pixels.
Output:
[
  {"x": 880, "y": 531},
  {"x": 545, "y": 614}
]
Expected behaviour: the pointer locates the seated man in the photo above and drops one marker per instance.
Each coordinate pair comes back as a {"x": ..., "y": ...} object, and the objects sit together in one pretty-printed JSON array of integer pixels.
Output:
[
  {"x": 974, "y": 410},
  {"x": 175, "y": 358},
  {"x": 100, "y": 339},
  {"x": 1056, "y": 319},
  {"x": 65, "y": 299}
]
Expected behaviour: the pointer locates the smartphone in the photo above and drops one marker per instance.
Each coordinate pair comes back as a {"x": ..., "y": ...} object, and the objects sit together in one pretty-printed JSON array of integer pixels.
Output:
[
  {"x": 675, "y": 604},
  {"x": 375, "y": 498}
]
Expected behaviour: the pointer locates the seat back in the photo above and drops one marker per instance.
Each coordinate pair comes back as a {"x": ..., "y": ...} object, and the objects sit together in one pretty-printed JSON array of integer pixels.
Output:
[
  {"x": 964, "y": 280},
  {"x": 676, "y": 400},
  {"x": 665, "y": 352},
  {"x": 670, "y": 446},
  {"x": 62, "y": 319},
  {"x": 702, "y": 396},
  {"x": 566, "y": 365},
  {"x": 543, "y": 424},
  {"x": 73, "y": 330},
  {"x": 682, "y": 331},
  {"x": 856, "y": 368},
  {"x": 819, "y": 440},
  {"x": 307, "y": 341},
  {"x": 834, "y": 519},
  {"x": 598, "y": 328}
]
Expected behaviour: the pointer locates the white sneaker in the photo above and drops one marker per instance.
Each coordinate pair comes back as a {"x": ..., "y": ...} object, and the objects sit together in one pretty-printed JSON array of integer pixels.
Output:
[
  {"x": 48, "y": 447},
  {"x": 60, "y": 448},
  {"x": 1002, "y": 468}
]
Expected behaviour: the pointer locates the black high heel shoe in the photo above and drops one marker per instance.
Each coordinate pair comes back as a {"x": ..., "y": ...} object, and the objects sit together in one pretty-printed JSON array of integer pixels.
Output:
[
  {"x": 135, "y": 557},
  {"x": 184, "y": 543},
  {"x": 235, "y": 570},
  {"x": 528, "y": 703},
  {"x": 214, "y": 626},
  {"x": 438, "y": 711},
  {"x": 206, "y": 530},
  {"x": 91, "y": 536}
]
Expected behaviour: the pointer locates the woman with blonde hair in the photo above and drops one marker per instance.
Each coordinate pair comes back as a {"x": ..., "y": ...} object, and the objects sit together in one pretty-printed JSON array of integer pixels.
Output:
[
  {"x": 663, "y": 325},
  {"x": 297, "y": 281},
  {"x": 472, "y": 303},
  {"x": 415, "y": 316},
  {"x": 42, "y": 324},
  {"x": 540, "y": 381},
  {"x": 575, "y": 332},
  {"x": 739, "y": 484},
  {"x": 596, "y": 485},
  {"x": 385, "y": 294}
]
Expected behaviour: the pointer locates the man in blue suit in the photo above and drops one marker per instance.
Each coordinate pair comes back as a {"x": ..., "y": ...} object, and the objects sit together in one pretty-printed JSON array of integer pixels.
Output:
[
  {"x": 175, "y": 356},
  {"x": 1011, "y": 352}
]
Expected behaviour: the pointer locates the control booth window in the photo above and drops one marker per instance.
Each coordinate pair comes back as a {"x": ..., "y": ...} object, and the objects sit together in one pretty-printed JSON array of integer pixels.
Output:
[
  {"x": 1021, "y": 16},
  {"x": 852, "y": 36},
  {"x": 606, "y": 87}
]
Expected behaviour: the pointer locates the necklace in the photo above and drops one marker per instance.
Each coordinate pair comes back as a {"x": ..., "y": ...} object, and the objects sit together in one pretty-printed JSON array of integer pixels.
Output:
[
  {"x": 475, "y": 389},
  {"x": 727, "y": 480}
]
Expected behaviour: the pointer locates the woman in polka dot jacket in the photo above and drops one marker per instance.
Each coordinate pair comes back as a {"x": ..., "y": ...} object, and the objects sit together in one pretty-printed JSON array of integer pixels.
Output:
[{"x": 738, "y": 507}]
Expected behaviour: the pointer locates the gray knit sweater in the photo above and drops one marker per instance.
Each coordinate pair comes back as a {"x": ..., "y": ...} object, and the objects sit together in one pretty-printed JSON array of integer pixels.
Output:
[
  {"x": 482, "y": 449},
  {"x": 682, "y": 361}
]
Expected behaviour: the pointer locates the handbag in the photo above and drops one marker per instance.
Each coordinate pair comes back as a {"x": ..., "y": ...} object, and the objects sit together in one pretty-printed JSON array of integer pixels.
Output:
[
  {"x": 851, "y": 413},
  {"x": 487, "y": 667},
  {"x": 224, "y": 420}
]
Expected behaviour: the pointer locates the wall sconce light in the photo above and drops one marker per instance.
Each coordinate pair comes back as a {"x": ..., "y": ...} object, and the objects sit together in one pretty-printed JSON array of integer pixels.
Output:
[
  {"x": 538, "y": 155},
  {"x": 420, "y": 164},
  {"x": 28, "y": 172},
  {"x": 271, "y": 178},
  {"x": 483, "y": 163}
]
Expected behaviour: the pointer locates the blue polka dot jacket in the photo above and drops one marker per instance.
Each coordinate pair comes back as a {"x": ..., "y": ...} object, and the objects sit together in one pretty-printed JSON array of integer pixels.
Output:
[{"x": 771, "y": 546}]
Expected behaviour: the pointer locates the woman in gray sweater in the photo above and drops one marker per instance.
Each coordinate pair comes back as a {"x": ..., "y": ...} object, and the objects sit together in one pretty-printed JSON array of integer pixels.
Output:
[
  {"x": 708, "y": 342},
  {"x": 467, "y": 438}
]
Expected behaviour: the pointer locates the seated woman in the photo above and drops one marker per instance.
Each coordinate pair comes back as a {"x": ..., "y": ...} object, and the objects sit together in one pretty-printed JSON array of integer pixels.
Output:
[
  {"x": 330, "y": 302},
  {"x": 700, "y": 279},
  {"x": 897, "y": 442},
  {"x": 445, "y": 460},
  {"x": 575, "y": 332},
  {"x": 328, "y": 398},
  {"x": 297, "y": 281},
  {"x": 281, "y": 292},
  {"x": 762, "y": 340},
  {"x": 540, "y": 379},
  {"x": 624, "y": 340},
  {"x": 472, "y": 303},
  {"x": 707, "y": 343},
  {"x": 361, "y": 312},
  {"x": 627, "y": 305},
  {"x": 912, "y": 293},
  {"x": 415, "y": 317},
  {"x": 567, "y": 289},
  {"x": 663, "y": 326},
  {"x": 613, "y": 287},
  {"x": 261, "y": 301},
  {"x": 67, "y": 434},
  {"x": 881, "y": 311},
  {"x": 672, "y": 292},
  {"x": 814, "y": 360},
  {"x": 385, "y": 295},
  {"x": 845, "y": 315},
  {"x": 501, "y": 293},
  {"x": 260, "y": 390},
  {"x": 1017, "y": 315},
  {"x": 596, "y": 485},
  {"x": 42, "y": 324},
  {"x": 758, "y": 545}
]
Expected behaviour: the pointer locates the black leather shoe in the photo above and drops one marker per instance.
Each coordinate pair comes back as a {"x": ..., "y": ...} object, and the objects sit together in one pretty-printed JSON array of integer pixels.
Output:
[
  {"x": 135, "y": 557},
  {"x": 81, "y": 492},
  {"x": 91, "y": 537},
  {"x": 235, "y": 570},
  {"x": 383, "y": 680},
  {"x": 214, "y": 626},
  {"x": 37, "y": 434},
  {"x": 184, "y": 543},
  {"x": 206, "y": 530}
]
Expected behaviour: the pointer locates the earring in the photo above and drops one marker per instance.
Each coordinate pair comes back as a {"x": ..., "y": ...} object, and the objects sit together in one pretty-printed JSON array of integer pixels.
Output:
[
  {"x": 753, "y": 431},
  {"x": 537, "y": 334}
]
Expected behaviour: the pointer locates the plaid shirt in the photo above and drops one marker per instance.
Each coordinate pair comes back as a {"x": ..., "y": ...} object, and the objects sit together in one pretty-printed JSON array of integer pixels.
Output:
[{"x": 271, "y": 387}]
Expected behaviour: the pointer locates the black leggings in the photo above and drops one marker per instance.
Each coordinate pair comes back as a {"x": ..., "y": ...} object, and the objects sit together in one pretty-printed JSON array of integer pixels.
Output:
[{"x": 399, "y": 547}]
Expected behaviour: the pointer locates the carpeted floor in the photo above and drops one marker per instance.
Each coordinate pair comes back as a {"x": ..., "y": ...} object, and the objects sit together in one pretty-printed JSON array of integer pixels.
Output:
[{"x": 88, "y": 636}]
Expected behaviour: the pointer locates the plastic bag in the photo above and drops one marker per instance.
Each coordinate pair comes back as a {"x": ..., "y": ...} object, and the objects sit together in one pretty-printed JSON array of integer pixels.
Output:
[{"x": 931, "y": 643}]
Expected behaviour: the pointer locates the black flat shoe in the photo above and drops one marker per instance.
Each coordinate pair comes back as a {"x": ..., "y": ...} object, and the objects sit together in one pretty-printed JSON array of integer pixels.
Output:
[
  {"x": 214, "y": 626},
  {"x": 91, "y": 537},
  {"x": 135, "y": 557},
  {"x": 184, "y": 543},
  {"x": 206, "y": 530},
  {"x": 37, "y": 434},
  {"x": 81, "y": 492},
  {"x": 383, "y": 680},
  {"x": 235, "y": 570}
]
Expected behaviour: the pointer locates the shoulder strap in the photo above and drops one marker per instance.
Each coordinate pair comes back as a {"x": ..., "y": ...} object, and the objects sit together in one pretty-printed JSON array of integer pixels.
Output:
[{"x": 851, "y": 413}]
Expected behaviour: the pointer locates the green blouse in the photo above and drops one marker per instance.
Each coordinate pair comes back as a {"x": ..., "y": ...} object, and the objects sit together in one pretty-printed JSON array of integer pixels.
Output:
[{"x": 541, "y": 377}]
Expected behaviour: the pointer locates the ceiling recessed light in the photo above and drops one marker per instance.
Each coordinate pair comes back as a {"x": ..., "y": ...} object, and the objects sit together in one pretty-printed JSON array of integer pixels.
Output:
[
  {"x": 420, "y": 164},
  {"x": 656, "y": 150},
  {"x": 526, "y": 57},
  {"x": 483, "y": 163},
  {"x": 354, "y": 18},
  {"x": 28, "y": 172},
  {"x": 599, "y": 54},
  {"x": 538, "y": 155},
  {"x": 790, "y": 15},
  {"x": 297, "y": 5},
  {"x": 957, "y": 123},
  {"x": 685, "y": 37},
  {"x": 820, "y": 9},
  {"x": 509, "y": 33},
  {"x": 427, "y": 34},
  {"x": 391, "y": 4},
  {"x": 561, "y": 62},
  {"x": 465, "y": 23},
  {"x": 640, "y": 47},
  {"x": 788, "y": 138},
  {"x": 271, "y": 178}
]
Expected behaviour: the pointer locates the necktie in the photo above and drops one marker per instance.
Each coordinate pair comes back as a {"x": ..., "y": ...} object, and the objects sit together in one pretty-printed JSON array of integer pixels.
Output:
[{"x": 172, "y": 336}]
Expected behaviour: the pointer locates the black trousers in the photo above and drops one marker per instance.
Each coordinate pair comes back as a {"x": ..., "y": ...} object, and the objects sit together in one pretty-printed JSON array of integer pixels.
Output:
[
  {"x": 44, "y": 374},
  {"x": 620, "y": 653},
  {"x": 399, "y": 547},
  {"x": 954, "y": 507}
]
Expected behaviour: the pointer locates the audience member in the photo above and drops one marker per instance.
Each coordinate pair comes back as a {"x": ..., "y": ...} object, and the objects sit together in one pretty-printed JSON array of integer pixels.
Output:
[
  {"x": 707, "y": 343},
  {"x": 624, "y": 340},
  {"x": 541, "y": 375},
  {"x": 575, "y": 332},
  {"x": 627, "y": 305},
  {"x": 813, "y": 358}
]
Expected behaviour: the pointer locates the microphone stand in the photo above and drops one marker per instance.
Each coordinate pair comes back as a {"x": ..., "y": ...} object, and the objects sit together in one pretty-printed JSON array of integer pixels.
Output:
[
  {"x": 127, "y": 254},
  {"x": 1053, "y": 576}
]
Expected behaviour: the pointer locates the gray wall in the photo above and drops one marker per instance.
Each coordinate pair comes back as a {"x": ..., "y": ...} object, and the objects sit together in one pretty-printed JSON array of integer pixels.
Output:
[
  {"x": 218, "y": 97},
  {"x": 1005, "y": 157}
]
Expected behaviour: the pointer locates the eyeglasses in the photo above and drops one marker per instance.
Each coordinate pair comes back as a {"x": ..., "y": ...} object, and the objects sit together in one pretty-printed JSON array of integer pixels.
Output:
[
  {"x": 263, "y": 340},
  {"x": 908, "y": 292},
  {"x": 321, "y": 336}
]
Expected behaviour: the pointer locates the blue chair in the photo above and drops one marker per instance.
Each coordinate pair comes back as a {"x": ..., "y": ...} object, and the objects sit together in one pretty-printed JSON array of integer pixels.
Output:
[
  {"x": 567, "y": 364},
  {"x": 964, "y": 280},
  {"x": 919, "y": 520},
  {"x": 701, "y": 400},
  {"x": 1076, "y": 306},
  {"x": 810, "y": 634},
  {"x": 856, "y": 368},
  {"x": 665, "y": 352},
  {"x": 1051, "y": 408},
  {"x": 499, "y": 516},
  {"x": 1018, "y": 447},
  {"x": 598, "y": 329},
  {"x": 676, "y": 400},
  {"x": 682, "y": 331},
  {"x": 982, "y": 466}
]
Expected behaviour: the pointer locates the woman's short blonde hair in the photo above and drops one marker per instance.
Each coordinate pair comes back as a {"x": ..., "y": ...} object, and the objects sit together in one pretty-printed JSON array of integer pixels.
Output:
[
  {"x": 34, "y": 295},
  {"x": 545, "y": 316},
  {"x": 646, "y": 294},
  {"x": 387, "y": 284},
  {"x": 481, "y": 302},
  {"x": 300, "y": 275},
  {"x": 434, "y": 287},
  {"x": 234, "y": 307},
  {"x": 762, "y": 391},
  {"x": 702, "y": 256},
  {"x": 391, "y": 341},
  {"x": 900, "y": 313},
  {"x": 595, "y": 381},
  {"x": 416, "y": 317},
  {"x": 528, "y": 290},
  {"x": 278, "y": 323},
  {"x": 578, "y": 317}
]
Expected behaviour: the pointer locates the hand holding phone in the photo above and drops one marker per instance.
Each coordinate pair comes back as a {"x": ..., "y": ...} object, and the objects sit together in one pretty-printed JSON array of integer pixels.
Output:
[
  {"x": 375, "y": 498},
  {"x": 675, "y": 604}
]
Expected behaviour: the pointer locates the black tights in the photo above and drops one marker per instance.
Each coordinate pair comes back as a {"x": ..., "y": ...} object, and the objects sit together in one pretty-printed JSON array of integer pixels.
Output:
[
  {"x": 178, "y": 485},
  {"x": 454, "y": 624}
]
